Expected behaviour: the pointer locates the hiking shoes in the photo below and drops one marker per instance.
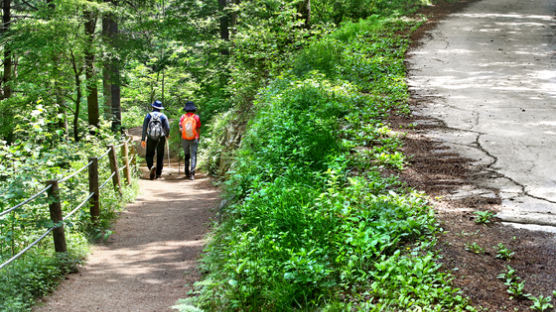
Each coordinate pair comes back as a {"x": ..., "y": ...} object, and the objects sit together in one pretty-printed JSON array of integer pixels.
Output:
[
  {"x": 152, "y": 174},
  {"x": 192, "y": 176}
]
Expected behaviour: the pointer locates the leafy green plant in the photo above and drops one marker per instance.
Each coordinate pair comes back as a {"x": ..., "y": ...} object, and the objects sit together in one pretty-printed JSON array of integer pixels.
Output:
[
  {"x": 513, "y": 282},
  {"x": 516, "y": 289},
  {"x": 474, "y": 248},
  {"x": 541, "y": 303},
  {"x": 312, "y": 213},
  {"x": 508, "y": 275},
  {"x": 502, "y": 252},
  {"x": 483, "y": 217}
]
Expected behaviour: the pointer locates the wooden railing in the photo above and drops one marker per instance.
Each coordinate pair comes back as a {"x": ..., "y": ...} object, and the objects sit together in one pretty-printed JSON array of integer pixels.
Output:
[{"x": 93, "y": 198}]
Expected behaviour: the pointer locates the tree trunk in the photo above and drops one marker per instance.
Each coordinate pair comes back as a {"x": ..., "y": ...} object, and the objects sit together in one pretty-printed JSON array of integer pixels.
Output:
[
  {"x": 90, "y": 73},
  {"x": 224, "y": 20},
  {"x": 115, "y": 92},
  {"x": 305, "y": 11},
  {"x": 111, "y": 75},
  {"x": 77, "y": 75},
  {"x": 107, "y": 91},
  {"x": 6, "y": 20}
]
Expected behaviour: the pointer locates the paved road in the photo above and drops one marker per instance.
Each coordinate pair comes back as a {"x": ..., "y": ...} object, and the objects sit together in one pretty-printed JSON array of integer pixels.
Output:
[{"x": 489, "y": 73}]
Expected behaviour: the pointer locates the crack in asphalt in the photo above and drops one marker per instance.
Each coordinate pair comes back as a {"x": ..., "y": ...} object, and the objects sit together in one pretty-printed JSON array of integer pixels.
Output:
[
  {"x": 524, "y": 191},
  {"x": 488, "y": 167}
]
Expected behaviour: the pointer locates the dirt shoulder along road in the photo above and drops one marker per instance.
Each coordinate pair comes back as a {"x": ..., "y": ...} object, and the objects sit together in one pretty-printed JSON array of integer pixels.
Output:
[
  {"x": 151, "y": 259},
  {"x": 483, "y": 137}
]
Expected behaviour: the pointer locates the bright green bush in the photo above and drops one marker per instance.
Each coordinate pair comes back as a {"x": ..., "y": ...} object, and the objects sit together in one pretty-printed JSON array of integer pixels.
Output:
[{"x": 315, "y": 222}]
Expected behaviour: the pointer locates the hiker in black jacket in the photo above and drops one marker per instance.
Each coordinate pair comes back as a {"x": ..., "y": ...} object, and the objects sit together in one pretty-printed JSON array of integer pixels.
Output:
[{"x": 156, "y": 129}]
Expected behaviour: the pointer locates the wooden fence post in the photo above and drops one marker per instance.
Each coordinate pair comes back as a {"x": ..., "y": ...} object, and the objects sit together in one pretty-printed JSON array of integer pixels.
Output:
[
  {"x": 114, "y": 167},
  {"x": 125, "y": 156},
  {"x": 93, "y": 188},
  {"x": 56, "y": 216}
]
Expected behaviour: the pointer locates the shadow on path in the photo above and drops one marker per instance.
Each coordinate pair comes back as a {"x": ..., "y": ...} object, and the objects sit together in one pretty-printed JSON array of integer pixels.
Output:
[{"x": 150, "y": 261}]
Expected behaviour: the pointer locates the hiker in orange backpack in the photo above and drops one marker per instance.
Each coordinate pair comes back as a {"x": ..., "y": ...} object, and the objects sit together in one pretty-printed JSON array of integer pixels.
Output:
[{"x": 190, "y": 129}]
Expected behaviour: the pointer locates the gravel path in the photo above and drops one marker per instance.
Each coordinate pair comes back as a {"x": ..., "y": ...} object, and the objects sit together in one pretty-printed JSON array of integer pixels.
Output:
[
  {"x": 488, "y": 76},
  {"x": 151, "y": 259}
]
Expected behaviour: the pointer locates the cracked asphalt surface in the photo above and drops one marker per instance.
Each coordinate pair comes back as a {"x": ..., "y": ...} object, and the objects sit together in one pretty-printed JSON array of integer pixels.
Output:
[{"x": 488, "y": 75}]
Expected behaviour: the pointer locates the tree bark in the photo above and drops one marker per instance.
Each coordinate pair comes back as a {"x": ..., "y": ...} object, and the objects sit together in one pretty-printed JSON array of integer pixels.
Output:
[
  {"x": 305, "y": 11},
  {"x": 6, "y": 79},
  {"x": 90, "y": 72},
  {"x": 111, "y": 74},
  {"x": 115, "y": 92},
  {"x": 77, "y": 77},
  {"x": 224, "y": 20},
  {"x": 107, "y": 91}
]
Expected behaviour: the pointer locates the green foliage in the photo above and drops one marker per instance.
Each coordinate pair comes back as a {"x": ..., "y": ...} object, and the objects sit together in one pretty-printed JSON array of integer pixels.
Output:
[
  {"x": 541, "y": 303},
  {"x": 483, "y": 217},
  {"x": 513, "y": 282},
  {"x": 313, "y": 222},
  {"x": 502, "y": 252},
  {"x": 41, "y": 152},
  {"x": 474, "y": 248},
  {"x": 341, "y": 10},
  {"x": 37, "y": 273}
]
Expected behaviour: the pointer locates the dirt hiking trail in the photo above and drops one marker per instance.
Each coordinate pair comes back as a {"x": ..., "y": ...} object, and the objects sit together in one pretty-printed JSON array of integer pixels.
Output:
[{"x": 151, "y": 259}]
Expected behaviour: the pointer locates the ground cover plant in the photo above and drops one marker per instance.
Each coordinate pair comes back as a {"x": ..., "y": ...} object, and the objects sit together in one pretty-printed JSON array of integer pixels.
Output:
[
  {"x": 39, "y": 154},
  {"x": 317, "y": 219}
]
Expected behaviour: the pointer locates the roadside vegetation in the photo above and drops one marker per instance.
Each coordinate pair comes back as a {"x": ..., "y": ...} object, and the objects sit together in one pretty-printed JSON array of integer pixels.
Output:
[
  {"x": 317, "y": 218},
  {"x": 38, "y": 154}
]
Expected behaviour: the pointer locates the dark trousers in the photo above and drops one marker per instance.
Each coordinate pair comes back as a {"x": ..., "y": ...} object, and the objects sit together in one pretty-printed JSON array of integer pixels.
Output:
[
  {"x": 158, "y": 146},
  {"x": 190, "y": 152}
]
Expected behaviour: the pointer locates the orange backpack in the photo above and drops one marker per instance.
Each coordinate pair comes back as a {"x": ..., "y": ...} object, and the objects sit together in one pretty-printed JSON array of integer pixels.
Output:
[{"x": 189, "y": 127}]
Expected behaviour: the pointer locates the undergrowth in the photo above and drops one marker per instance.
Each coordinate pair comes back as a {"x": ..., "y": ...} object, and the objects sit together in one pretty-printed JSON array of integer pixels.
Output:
[
  {"x": 317, "y": 219},
  {"x": 37, "y": 155}
]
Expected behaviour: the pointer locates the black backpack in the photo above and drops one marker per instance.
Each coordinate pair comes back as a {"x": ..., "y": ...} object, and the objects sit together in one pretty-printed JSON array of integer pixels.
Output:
[{"x": 155, "y": 127}]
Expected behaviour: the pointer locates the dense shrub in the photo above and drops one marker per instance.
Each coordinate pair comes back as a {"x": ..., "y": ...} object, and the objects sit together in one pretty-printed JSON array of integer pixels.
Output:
[{"x": 315, "y": 222}]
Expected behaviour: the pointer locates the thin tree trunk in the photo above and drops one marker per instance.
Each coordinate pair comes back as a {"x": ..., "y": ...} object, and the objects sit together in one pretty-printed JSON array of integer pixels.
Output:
[
  {"x": 305, "y": 11},
  {"x": 224, "y": 25},
  {"x": 90, "y": 73},
  {"x": 106, "y": 84},
  {"x": 77, "y": 76},
  {"x": 233, "y": 17},
  {"x": 107, "y": 91},
  {"x": 56, "y": 73},
  {"x": 6, "y": 20},
  {"x": 116, "y": 108},
  {"x": 111, "y": 73},
  {"x": 224, "y": 20}
]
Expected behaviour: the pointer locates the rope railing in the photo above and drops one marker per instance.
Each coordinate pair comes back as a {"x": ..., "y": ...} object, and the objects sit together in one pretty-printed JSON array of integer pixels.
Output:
[
  {"x": 28, "y": 200},
  {"x": 54, "y": 203},
  {"x": 79, "y": 206},
  {"x": 107, "y": 180},
  {"x": 104, "y": 155},
  {"x": 75, "y": 173},
  {"x": 19, "y": 254}
]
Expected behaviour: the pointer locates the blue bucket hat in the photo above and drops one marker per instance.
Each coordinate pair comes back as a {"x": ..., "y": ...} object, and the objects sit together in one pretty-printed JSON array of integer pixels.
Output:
[
  {"x": 157, "y": 104},
  {"x": 189, "y": 107}
]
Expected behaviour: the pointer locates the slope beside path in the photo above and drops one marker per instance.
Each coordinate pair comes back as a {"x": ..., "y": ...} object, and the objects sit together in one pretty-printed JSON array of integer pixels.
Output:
[{"x": 151, "y": 259}]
